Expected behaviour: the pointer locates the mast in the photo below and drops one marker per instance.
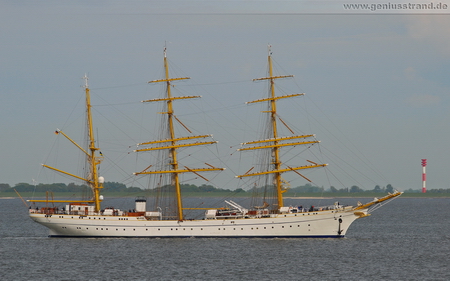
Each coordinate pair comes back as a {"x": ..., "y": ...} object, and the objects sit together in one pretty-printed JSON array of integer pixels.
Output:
[
  {"x": 174, "y": 142},
  {"x": 173, "y": 149},
  {"x": 275, "y": 143},
  {"x": 92, "y": 159},
  {"x": 92, "y": 179},
  {"x": 276, "y": 149}
]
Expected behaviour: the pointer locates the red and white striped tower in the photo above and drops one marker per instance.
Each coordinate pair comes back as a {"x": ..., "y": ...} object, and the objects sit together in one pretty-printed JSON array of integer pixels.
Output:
[{"x": 424, "y": 175}]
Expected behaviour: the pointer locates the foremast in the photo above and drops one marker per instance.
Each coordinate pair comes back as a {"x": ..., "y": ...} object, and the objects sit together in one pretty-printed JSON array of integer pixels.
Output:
[
  {"x": 174, "y": 143},
  {"x": 275, "y": 142},
  {"x": 92, "y": 179}
]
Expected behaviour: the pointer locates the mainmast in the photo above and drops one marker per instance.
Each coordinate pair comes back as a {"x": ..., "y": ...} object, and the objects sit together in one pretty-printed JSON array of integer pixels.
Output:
[
  {"x": 275, "y": 143},
  {"x": 174, "y": 143}
]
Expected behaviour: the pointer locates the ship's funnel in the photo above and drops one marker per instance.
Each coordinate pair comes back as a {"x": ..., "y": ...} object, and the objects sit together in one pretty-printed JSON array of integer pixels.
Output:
[{"x": 141, "y": 203}]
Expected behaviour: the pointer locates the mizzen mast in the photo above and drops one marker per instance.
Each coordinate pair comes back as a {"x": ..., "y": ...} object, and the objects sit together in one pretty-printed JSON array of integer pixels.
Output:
[
  {"x": 93, "y": 161},
  {"x": 275, "y": 142},
  {"x": 173, "y": 142}
]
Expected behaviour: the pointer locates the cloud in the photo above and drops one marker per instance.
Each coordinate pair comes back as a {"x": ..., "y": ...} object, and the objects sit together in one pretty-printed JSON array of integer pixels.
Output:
[
  {"x": 423, "y": 100},
  {"x": 410, "y": 73},
  {"x": 430, "y": 29}
]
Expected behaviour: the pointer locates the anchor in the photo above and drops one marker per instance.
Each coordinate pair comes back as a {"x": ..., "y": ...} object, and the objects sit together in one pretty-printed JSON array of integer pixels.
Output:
[{"x": 339, "y": 228}]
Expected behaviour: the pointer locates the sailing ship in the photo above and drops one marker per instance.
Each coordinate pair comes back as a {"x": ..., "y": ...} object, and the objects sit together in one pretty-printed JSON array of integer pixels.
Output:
[{"x": 266, "y": 217}]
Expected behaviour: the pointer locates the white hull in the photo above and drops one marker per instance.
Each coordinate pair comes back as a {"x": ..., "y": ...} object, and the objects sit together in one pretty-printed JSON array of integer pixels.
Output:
[{"x": 317, "y": 224}]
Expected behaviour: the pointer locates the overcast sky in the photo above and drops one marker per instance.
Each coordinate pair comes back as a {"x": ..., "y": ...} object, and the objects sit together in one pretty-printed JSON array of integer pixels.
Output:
[{"x": 376, "y": 82}]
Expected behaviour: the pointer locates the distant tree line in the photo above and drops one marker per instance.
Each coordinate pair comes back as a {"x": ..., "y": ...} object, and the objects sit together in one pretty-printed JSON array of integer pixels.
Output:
[
  {"x": 354, "y": 189},
  {"x": 440, "y": 190},
  {"x": 107, "y": 187},
  {"x": 191, "y": 188}
]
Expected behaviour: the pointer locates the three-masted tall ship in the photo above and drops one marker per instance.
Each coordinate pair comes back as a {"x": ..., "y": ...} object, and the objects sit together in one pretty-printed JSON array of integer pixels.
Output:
[{"x": 266, "y": 217}]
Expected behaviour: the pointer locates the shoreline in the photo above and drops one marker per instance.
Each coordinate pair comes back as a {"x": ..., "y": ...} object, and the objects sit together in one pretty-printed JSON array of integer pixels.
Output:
[{"x": 119, "y": 195}]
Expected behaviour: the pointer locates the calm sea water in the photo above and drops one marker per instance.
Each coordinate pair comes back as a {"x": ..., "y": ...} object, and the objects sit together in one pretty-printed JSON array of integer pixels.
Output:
[{"x": 408, "y": 239}]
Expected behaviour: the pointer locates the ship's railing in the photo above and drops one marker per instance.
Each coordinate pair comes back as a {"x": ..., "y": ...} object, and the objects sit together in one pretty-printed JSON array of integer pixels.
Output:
[
  {"x": 55, "y": 211},
  {"x": 301, "y": 209},
  {"x": 106, "y": 212},
  {"x": 46, "y": 210}
]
